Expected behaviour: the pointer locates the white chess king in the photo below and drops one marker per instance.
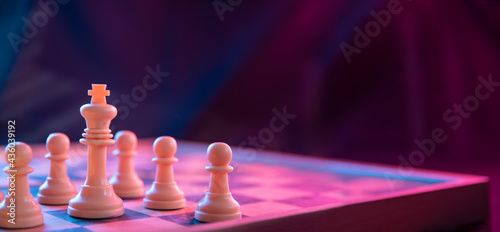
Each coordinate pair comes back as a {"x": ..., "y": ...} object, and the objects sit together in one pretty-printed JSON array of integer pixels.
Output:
[{"x": 97, "y": 198}]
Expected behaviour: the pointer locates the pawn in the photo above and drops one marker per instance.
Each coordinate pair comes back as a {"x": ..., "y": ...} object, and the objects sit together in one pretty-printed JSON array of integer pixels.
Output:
[
  {"x": 27, "y": 212},
  {"x": 57, "y": 188},
  {"x": 218, "y": 203},
  {"x": 164, "y": 193},
  {"x": 125, "y": 181}
]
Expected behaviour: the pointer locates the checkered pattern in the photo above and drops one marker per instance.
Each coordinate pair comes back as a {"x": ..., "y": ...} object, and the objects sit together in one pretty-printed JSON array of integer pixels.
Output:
[{"x": 260, "y": 188}]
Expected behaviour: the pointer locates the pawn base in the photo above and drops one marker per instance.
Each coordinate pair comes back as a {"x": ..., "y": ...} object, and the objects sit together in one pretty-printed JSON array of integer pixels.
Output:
[
  {"x": 21, "y": 223},
  {"x": 54, "y": 200},
  {"x": 151, "y": 204},
  {"x": 130, "y": 193},
  {"x": 94, "y": 214},
  {"x": 56, "y": 191},
  {"x": 28, "y": 213},
  {"x": 127, "y": 186},
  {"x": 208, "y": 217},
  {"x": 217, "y": 207},
  {"x": 164, "y": 196}
]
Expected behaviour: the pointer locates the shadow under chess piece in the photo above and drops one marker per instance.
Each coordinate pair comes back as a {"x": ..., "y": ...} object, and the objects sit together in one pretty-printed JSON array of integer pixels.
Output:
[
  {"x": 218, "y": 203},
  {"x": 125, "y": 181},
  {"x": 18, "y": 206},
  {"x": 57, "y": 188},
  {"x": 164, "y": 193}
]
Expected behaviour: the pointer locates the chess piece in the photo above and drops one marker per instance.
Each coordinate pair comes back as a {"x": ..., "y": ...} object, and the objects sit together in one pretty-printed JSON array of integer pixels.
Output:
[
  {"x": 218, "y": 203},
  {"x": 19, "y": 209},
  {"x": 164, "y": 193},
  {"x": 125, "y": 181},
  {"x": 97, "y": 198},
  {"x": 57, "y": 188}
]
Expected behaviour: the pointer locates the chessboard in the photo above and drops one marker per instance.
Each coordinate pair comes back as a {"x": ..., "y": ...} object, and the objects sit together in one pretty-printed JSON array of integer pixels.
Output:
[{"x": 284, "y": 192}]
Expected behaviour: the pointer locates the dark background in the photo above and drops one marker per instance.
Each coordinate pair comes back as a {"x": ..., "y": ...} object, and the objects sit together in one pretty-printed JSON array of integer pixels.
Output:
[{"x": 230, "y": 63}]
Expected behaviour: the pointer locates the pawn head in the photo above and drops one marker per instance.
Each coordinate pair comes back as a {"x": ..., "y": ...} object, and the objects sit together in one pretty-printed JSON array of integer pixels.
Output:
[
  {"x": 22, "y": 153},
  {"x": 219, "y": 154},
  {"x": 57, "y": 143},
  {"x": 126, "y": 140},
  {"x": 165, "y": 146}
]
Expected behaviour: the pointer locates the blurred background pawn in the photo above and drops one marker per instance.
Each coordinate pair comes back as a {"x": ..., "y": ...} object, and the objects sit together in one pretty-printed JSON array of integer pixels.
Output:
[
  {"x": 57, "y": 188},
  {"x": 164, "y": 193},
  {"x": 125, "y": 181}
]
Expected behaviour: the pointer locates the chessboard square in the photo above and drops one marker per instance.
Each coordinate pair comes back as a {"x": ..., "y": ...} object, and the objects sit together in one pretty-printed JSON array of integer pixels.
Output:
[
  {"x": 34, "y": 190},
  {"x": 146, "y": 179},
  {"x": 346, "y": 177},
  {"x": 143, "y": 225},
  {"x": 336, "y": 194},
  {"x": 128, "y": 215},
  {"x": 52, "y": 223},
  {"x": 48, "y": 208},
  {"x": 345, "y": 196},
  {"x": 193, "y": 189},
  {"x": 78, "y": 229},
  {"x": 320, "y": 177},
  {"x": 192, "y": 177},
  {"x": 267, "y": 207},
  {"x": 185, "y": 219},
  {"x": 368, "y": 184},
  {"x": 270, "y": 180},
  {"x": 195, "y": 198},
  {"x": 311, "y": 186},
  {"x": 272, "y": 193},
  {"x": 311, "y": 201},
  {"x": 233, "y": 184},
  {"x": 262, "y": 169},
  {"x": 241, "y": 199},
  {"x": 77, "y": 174},
  {"x": 78, "y": 183},
  {"x": 36, "y": 180},
  {"x": 191, "y": 204},
  {"x": 157, "y": 213}
]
